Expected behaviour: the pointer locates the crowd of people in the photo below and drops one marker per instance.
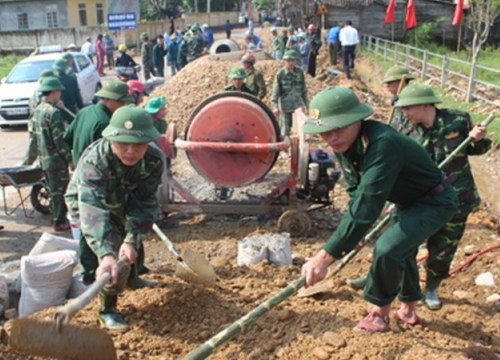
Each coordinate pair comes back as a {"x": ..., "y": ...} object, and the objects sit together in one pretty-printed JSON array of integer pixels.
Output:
[{"x": 106, "y": 164}]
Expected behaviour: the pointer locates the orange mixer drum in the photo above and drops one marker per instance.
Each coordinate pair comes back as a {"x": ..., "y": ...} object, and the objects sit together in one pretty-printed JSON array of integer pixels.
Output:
[{"x": 226, "y": 119}]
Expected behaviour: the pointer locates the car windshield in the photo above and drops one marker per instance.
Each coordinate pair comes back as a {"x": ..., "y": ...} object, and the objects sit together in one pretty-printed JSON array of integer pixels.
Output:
[{"x": 28, "y": 71}]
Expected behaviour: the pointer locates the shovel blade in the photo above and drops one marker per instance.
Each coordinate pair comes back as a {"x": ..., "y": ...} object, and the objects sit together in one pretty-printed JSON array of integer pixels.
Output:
[
  {"x": 200, "y": 271},
  {"x": 41, "y": 338}
]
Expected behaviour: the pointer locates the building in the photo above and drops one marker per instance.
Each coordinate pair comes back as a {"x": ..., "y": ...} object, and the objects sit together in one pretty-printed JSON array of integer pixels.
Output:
[
  {"x": 86, "y": 13},
  {"x": 24, "y": 15}
]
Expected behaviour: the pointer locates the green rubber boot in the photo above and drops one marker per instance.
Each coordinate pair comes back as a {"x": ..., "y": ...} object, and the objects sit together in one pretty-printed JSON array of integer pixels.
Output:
[
  {"x": 431, "y": 298},
  {"x": 108, "y": 316},
  {"x": 358, "y": 283},
  {"x": 138, "y": 283}
]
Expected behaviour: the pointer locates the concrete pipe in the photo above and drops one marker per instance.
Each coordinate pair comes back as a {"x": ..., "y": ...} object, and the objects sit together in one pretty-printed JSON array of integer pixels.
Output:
[{"x": 224, "y": 46}]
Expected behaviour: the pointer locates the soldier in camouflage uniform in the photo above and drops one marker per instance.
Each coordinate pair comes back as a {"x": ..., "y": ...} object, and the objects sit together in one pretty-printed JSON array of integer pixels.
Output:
[
  {"x": 70, "y": 62},
  {"x": 194, "y": 44},
  {"x": 156, "y": 107},
  {"x": 70, "y": 96},
  {"x": 254, "y": 79},
  {"x": 379, "y": 165},
  {"x": 147, "y": 56},
  {"x": 441, "y": 132},
  {"x": 47, "y": 144},
  {"x": 289, "y": 91},
  {"x": 392, "y": 80},
  {"x": 238, "y": 76},
  {"x": 113, "y": 194},
  {"x": 276, "y": 44}
]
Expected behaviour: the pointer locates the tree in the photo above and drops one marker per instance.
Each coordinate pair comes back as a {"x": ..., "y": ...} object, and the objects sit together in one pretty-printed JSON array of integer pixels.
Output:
[
  {"x": 481, "y": 17},
  {"x": 161, "y": 9}
]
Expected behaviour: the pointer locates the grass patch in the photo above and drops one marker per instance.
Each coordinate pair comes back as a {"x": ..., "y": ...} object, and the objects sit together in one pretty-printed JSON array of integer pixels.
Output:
[
  {"x": 7, "y": 63},
  {"x": 448, "y": 101}
]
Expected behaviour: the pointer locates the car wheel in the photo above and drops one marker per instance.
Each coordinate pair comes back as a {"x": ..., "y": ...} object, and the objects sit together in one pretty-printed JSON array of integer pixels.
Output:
[{"x": 97, "y": 88}]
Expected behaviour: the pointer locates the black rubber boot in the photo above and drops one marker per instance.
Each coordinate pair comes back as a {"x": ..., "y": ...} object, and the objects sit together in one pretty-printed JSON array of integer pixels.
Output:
[{"x": 108, "y": 316}]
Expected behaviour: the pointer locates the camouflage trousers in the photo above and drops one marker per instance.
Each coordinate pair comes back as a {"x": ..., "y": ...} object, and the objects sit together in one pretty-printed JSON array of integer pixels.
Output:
[
  {"x": 286, "y": 120},
  {"x": 442, "y": 246},
  {"x": 57, "y": 182},
  {"x": 90, "y": 262}
]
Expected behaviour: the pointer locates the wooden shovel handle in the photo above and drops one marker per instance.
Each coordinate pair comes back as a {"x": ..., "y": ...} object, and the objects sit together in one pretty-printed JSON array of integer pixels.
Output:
[{"x": 66, "y": 312}]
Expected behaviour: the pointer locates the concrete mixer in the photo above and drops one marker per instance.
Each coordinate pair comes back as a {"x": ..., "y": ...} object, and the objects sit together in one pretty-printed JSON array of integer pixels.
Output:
[{"x": 232, "y": 140}]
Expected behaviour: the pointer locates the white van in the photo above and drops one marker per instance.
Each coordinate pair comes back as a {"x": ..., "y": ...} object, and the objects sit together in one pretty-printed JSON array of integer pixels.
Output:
[{"x": 18, "y": 87}]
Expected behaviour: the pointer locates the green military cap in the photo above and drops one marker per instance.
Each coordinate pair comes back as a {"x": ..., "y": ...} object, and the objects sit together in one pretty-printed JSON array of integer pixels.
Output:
[
  {"x": 131, "y": 124},
  {"x": 155, "y": 104},
  {"x": 396, "y": 73},
  {"x": 50, "y": 83},
  {"x": 60, "y": 65},
  {"x": 417, "y": 94},
  {"x": 144, "y": 35},
  {"x": 195, "y": 27},
  {"x": 291, "y": 55},
  {"x": 67, "y": 56},
  {"x": 238, "y": 72},
  {"x": 334, "y": 108},
  {"x": 115, "y": 90}
]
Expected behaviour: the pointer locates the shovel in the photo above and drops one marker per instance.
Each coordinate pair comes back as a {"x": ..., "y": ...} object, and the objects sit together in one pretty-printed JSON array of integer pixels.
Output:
[
  {"x": 60, "y": 340},
  {"x": 191, "y": 266}
]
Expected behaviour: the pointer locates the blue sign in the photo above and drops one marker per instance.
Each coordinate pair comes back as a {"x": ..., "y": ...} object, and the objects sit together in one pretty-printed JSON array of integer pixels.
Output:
[{"x": 122, "y": 21}]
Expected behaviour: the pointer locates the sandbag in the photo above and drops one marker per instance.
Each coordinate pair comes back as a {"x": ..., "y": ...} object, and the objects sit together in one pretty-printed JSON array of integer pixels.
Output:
[
  {"x": 49, "y": 242},
  {"x": 46, "y": 280},
  {"x": 276, "y": 248}
]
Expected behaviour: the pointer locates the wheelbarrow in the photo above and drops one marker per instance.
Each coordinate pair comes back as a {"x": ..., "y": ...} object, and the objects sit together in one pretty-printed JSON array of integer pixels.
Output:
[{"x": 23, "y": 176}]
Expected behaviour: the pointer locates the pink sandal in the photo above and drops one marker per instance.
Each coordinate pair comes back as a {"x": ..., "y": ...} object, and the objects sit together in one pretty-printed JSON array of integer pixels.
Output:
[
  {"x": 414, "y": 322},
  {"x": 374, "y": 322}
]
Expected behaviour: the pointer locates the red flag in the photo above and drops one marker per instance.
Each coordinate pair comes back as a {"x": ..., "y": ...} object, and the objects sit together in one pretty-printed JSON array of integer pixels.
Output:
[
  {"x": 411, "y": 15},
  {"x": 459, "y": 13},
  {"x": 389, "y": 13}
]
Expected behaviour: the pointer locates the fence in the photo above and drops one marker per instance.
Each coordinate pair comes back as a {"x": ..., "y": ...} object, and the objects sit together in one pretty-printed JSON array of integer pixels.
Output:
[{"x": 447, "y": 71}]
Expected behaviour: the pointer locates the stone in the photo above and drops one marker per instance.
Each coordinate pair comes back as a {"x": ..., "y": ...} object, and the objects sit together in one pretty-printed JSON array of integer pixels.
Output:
[
  {"x": 470, "y": 249},
  {"x": 10, "y": 313},
  {"x": 485, "y": 279},
  {"x": 320, "y": 353},
  {"x": 493, "y": 298},
  {"x": 334, "y": 340},
  {"x": 460, "y": 294}
]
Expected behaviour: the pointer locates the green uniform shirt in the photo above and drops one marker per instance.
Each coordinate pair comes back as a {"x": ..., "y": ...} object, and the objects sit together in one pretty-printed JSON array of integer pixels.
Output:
[
  {"x": 244, "y": 88},
  {"x": 70, "y": 96},
  {"x": 160, "y": 125},
  {"x": 289, "y": 89},
  {"x": 159, "y": 53},
  {"x": 46, "y": 139},
  {"x": 86, "y": 128},
  {"x": 255, "y": 81},
  {"x": 382, "y": 165},
  {"x": 147, "y": 54},
  {"x": 114, "y": 203},
  {"x": 450, "y": 129}
]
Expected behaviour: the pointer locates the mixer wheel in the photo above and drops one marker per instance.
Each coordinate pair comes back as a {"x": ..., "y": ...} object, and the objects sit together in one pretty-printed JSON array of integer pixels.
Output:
[{"x": 295, "y": 222}]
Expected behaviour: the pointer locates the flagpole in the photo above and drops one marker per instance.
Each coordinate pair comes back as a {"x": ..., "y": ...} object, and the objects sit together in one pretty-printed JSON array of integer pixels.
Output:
[{"x": 459, "y": 37}]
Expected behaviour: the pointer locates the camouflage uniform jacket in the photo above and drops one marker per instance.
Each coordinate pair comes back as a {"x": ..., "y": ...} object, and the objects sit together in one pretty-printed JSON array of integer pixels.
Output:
[
  {"x": 114, "y": 203},
  {"x": 289, "y": 89},
  {"x": 402, "y": 124},
  {"x": 255, "y": 81},
  {"x": 276, "y": 44},
  {"x": 46, "y": 139},
  {"x": 147, "y": 54},
  {"x": 450, "y": 129},
  {"x": 194, "y": 46}
]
